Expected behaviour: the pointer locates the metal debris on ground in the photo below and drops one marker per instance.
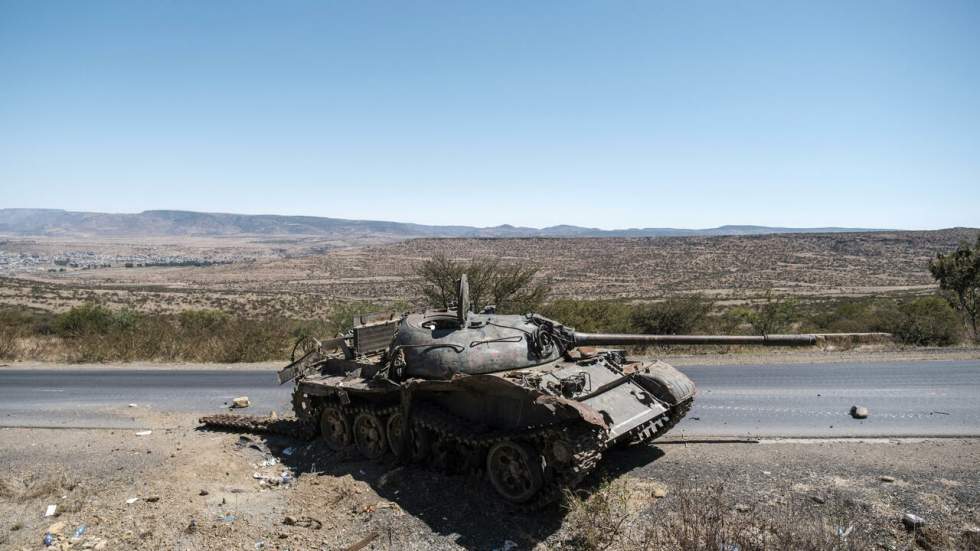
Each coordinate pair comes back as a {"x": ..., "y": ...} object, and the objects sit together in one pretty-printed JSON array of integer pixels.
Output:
[
  {"x": 912, "y": 521},
  {"x": 363, "y": 543}
]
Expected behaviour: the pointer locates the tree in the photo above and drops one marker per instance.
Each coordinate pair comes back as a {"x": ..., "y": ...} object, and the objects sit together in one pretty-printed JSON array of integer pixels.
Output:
[
  {"x": 512, "y": 288},
  {"x": 958, "y": 273}
]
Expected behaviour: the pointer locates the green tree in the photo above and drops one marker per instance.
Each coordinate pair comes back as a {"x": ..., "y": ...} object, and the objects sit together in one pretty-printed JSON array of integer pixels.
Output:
[
  {"x": 512, "y": 288},
  {"x": 958, "y": 273}
]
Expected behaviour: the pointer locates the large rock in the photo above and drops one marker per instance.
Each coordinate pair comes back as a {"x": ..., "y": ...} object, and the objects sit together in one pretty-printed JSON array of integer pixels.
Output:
[
  {"x": 240, "y": 402},
  {"x": 859, "y": 412}
]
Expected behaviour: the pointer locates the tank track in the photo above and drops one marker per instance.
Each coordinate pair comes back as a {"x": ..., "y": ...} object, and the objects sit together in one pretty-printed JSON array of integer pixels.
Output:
[
  {"x": 587, "y": 448},
  {"x": 655, "y": 428},
  {"x": 295, "y": 428}
]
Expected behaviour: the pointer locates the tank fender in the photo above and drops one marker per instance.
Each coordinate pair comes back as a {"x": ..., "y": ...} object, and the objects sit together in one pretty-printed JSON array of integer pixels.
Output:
[{"x": 665, "y": 382}]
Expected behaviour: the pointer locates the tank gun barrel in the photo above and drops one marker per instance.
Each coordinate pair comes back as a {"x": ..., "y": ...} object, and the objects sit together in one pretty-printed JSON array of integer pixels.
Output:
[{"x": 623, "y": 339}]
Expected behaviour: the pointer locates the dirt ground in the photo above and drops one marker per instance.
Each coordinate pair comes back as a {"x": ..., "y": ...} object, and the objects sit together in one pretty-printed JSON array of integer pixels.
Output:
[{"x": 195, "y": 489}]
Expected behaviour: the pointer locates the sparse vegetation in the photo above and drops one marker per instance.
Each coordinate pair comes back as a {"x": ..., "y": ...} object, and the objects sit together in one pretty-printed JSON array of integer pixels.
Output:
[{"x": 93, "y": 332}]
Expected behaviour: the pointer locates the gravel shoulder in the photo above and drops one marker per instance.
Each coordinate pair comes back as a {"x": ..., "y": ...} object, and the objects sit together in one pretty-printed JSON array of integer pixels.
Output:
[{"x": 198, "y": 489}]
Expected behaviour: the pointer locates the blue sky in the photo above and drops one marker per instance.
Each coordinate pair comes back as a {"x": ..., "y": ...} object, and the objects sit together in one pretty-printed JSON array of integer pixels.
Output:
[{"x": 608, "y": 114}]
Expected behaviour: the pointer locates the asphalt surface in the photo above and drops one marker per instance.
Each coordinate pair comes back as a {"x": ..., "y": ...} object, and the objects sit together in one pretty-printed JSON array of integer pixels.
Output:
[{"x": 906, "y": 399}]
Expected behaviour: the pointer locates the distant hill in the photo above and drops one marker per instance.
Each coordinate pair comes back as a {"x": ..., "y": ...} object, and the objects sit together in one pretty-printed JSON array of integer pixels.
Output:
[{"x": 55, "y": 222}]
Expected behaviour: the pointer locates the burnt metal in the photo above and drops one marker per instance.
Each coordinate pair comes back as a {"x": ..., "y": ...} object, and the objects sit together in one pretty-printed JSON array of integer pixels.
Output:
[{"x": 512, "y": 395}]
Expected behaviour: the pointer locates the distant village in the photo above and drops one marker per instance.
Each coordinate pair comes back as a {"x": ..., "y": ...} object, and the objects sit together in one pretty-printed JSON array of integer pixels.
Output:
[{"x": 12, "y": 263}]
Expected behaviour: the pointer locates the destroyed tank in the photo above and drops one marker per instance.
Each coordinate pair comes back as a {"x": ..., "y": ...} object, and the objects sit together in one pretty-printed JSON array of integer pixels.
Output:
[{"x": 523, "y": 398}]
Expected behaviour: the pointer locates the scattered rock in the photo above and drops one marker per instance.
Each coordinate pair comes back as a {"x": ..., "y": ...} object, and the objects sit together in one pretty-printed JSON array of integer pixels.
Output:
[
  {"x": 659, "y": 492},
  {"x": 202, "y": 493},
  {"x": 859, "y": 412},
  {"x": 240, "y": 402},
  {"x": 151, "y": 499},
  {"x": 886, "y": 478},
  {"x": 132, "y": 405},
  {"x": 818, "y": 499},
  {"x": 913, "y": 522},
  {"x": 384, "y": 479},
  {"x": 305, "y": 522},
  {"x": 971, "y": 537},
  {"x": 930, "y": 537},
  {"x": 144, "y": 432},
  {"x": 742, "y": 508},
  {"x": 132, "y": 500}
]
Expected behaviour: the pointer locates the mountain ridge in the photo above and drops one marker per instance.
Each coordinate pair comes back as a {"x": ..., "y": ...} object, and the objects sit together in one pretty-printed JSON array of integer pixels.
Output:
[{"x": 55, "y": 222}]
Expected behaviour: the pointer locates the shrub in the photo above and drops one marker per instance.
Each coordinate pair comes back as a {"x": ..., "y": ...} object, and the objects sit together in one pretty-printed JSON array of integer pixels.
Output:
[
  {"x": 674, "y": 316},
  {"x": 928, "y": 321},
  {"x": 591, "y": 316},
  {"x": 85, "y": 319}
]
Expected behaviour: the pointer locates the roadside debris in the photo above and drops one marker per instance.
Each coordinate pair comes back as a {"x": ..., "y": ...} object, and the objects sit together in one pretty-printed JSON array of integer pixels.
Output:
[
  {"x": 305, "y": 522},
  {"x": 886, "y": 478},
  {"x": 132, "y": 500},
  {"x": 859, "y": 412},
  {"x": 50, "y": 511},
  {"x": 240, "y": 402},
  {"x": 133, "y": 405},
  {"x": 363, "y": 543},
  {"x": 913, "y": 522},
  {"x": 384, "y": 479},
  {"x": 144, "y": 433}
]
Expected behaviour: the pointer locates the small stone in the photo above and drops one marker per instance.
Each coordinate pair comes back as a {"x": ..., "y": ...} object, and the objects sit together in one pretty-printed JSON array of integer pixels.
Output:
[
  {"x": 741, "y": 507},
  {"x": 859, "y": 412},
  {"x": 273, "y": 415},
  {"x": 971, "y": 537},
  {"x": 913, "y": 522},
  {"x": 202, "y": 493},
  {"x": 289, "y": 521},
  {"x": 659, "y": 492},
  {"x": 240, "y": 402},
  {"x": 886, "y": 478},
  {"x": 151, "y": 499},
  {"x": 818, "y": 499}
]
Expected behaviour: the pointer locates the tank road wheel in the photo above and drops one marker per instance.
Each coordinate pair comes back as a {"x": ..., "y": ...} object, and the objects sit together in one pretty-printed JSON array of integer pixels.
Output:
[
  {"x": 335, "y": 428},
  {"x": 369, "y": 435},
  {"x": 418, "y": 446},
  {"x": 515, "y": 470}
]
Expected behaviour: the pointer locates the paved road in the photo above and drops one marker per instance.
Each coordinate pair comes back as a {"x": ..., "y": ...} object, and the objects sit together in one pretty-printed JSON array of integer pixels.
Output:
[{"x": 809, "y": 400}]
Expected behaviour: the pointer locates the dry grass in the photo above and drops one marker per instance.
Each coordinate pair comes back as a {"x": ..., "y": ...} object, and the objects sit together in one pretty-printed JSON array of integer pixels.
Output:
[
  {"x": 620, "y": 515},
  {"x": 37, "y": 486}
]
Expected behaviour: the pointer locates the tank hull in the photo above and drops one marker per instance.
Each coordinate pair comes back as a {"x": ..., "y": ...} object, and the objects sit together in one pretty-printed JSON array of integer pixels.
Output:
[{"x": 565, "y": 411}]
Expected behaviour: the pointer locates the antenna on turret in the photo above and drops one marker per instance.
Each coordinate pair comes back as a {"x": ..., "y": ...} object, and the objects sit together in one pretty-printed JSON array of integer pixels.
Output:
[{"x": 462, "y": 300}]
